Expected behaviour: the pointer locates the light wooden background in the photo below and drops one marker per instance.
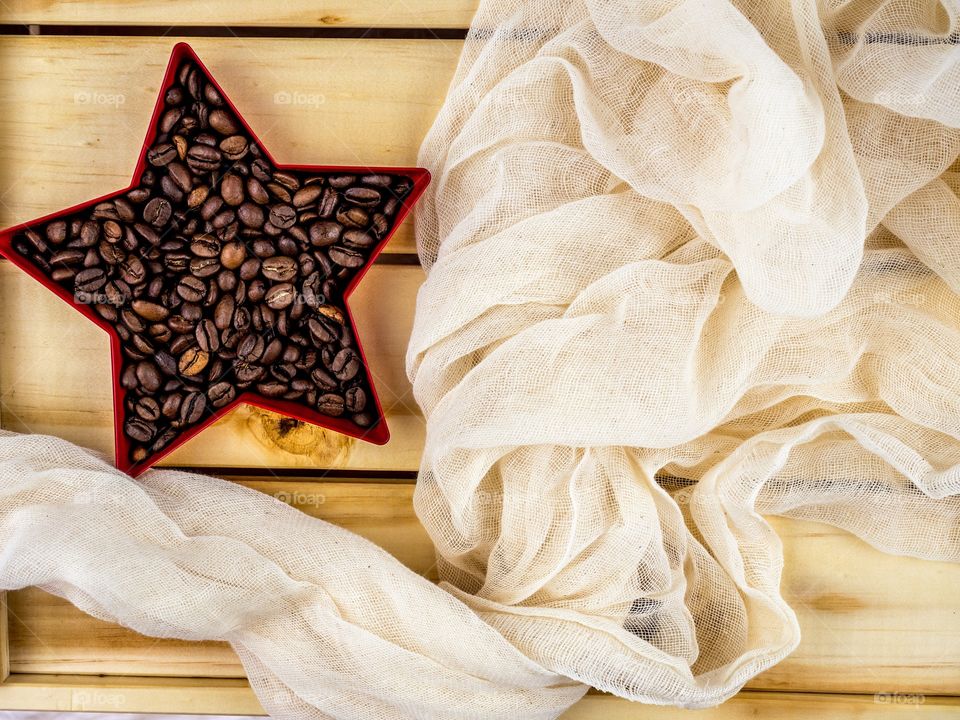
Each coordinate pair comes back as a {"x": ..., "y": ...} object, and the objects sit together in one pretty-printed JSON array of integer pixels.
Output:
[{"x": 77, "y": 83}]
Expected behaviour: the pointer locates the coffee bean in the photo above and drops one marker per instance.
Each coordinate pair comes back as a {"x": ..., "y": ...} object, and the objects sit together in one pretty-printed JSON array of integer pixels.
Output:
[
  {"x": 358, "y": 239},
  {"x": 279, "y": 268},
  {"x": 148, "y": 375},
  {"x": 234, "y": 147},
  {"x": 198, "y": 196},
  {"x": 208, "y": 336},
  {"x": 223, "y": 122},
  {"x": 280, "y": 296},
  {"x": 180, "y": 176},
  {"x": 272, "y": 388},
  {"x": 355, "y": 399},
  {"x": 307, "y": 195},
  {"x": 191, "y": 289},
  {"x": 367, "y": 197},
  {"x": 205, "y": 267},
  {"x": 203, "y": 158},
  {"x": 325, "y": 233},
  {"x": 192, "y": 408},
  {"x": 346, "y": 256},
  {"x": 221, "y": 394},
  {"x": 251, "y": 215},
  {"x": 150, "y": 310},
  {"x": 90, "y": 280},
  {"x": 148, "y": 409},
  {"x": 161, "y": 154},
  {"x": 157, "y": 212},
  {"x": 138, "y": 430},
  {"x": 330, "y": 404},
  {"x": 193, "y": 361},
  {"x": 205, "y": 245},
  {"x": 282, "y": 216},
  {"x": 345, "y": 365},
  {"x": 251, "y": 348}
]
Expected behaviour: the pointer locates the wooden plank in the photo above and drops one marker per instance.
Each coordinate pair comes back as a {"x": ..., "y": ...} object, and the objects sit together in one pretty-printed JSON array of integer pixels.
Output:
[
  {"x": 290, "y": 13},
  {"x": 74, "y": 114},
  {"x": 871, "y": 622},
  {"x": 41, "y": 393},
  {"x": 234, "y": 697}
]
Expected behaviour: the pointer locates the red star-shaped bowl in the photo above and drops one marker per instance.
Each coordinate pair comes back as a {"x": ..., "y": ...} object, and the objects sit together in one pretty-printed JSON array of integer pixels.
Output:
[{"x": 134, "y": 458}]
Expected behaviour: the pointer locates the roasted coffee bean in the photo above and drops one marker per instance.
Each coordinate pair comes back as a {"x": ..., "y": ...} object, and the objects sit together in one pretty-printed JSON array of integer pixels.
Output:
[
  {"x": 346, "y": 257},
  {"x": 223, "y": 122},
  {"x": 234, "y": 147},
  {"x": 191, "y": 311},
  {"x": 191, "y": 289},
  {"x": 203, "y": 158},
  {"x": 367, "y": 197},
  {"x": 208, "y": 336},
  {"x": 138, "y": 430},
  {"x": 221, "y": 394},
  {"x": 363, "y": 419},
  {"x": 193, "y": 361},
  {"x": 90, "y": 280},
  {"x": 353, "y": 217},
  {"x": 132, "y": 270},
  {"x": 148, "y": 409},
  {"x": 150, "y": 310},
  {"x": 358, "y": 239},
  {"x": 192, "y": 408},
  {"x": 323, "y": 330},
  {"x": 355, "y": 399},
  {"x": 251, "y": 348},
  {"x": 205, "y": 245},
  {"x": 279, "y": 268},
  {"x": 307, "y": 195},
  {"x": 157, "y": 212},
  {"x": 198, "y": 196},
  {"x": 282, "y": 216},
  {"x": 346, "y": 364},
  {"x": 272, "y": 388},
  {"x": 251, "y": 215},
  {"x": 325, "y": 233},
  {"x": 148, "y": 375},
  {"x": 223, "y": 313},
  {"x": 330, "y": 404},
  {"x": 328, "y": 203},
  {"x": 161, "y": 154},
  {"x": 280, "y": 296},
  {"x": 180, "y": 176},
  {"x": 205, "y": 267}
]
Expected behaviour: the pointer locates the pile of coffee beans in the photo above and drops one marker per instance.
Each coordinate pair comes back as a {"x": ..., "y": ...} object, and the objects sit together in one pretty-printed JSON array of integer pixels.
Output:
[{"x": 222, "y": 274}]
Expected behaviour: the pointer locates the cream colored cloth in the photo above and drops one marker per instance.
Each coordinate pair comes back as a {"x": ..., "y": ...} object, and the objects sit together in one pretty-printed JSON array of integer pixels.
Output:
[{"x": 689, "y": 263}]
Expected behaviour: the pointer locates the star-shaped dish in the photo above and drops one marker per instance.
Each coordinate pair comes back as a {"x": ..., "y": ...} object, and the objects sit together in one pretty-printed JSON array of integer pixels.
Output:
[{"x": 222, "y": 276}]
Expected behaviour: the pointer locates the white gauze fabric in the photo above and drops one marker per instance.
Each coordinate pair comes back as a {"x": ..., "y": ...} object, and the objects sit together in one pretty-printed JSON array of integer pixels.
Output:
[{"x": 690, "y": 263}]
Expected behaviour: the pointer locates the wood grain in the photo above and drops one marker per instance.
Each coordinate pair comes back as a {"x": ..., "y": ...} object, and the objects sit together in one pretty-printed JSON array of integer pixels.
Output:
[
  {"x": 234, "y": 697},
  {"x": 290, "y": 13},
  {"x": 859, "y": 609},
  {"x": 74, "y": 114},
  {"x": 40, "y": 392}
]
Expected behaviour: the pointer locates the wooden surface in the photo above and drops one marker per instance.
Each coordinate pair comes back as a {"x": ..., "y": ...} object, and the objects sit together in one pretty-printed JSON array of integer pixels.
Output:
[
  {"x": 871, "y": 622},
  {"x": 74, "y": 111},
  {"x": 240, "y": 13},
  {"x": 881, "y": 634}
]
